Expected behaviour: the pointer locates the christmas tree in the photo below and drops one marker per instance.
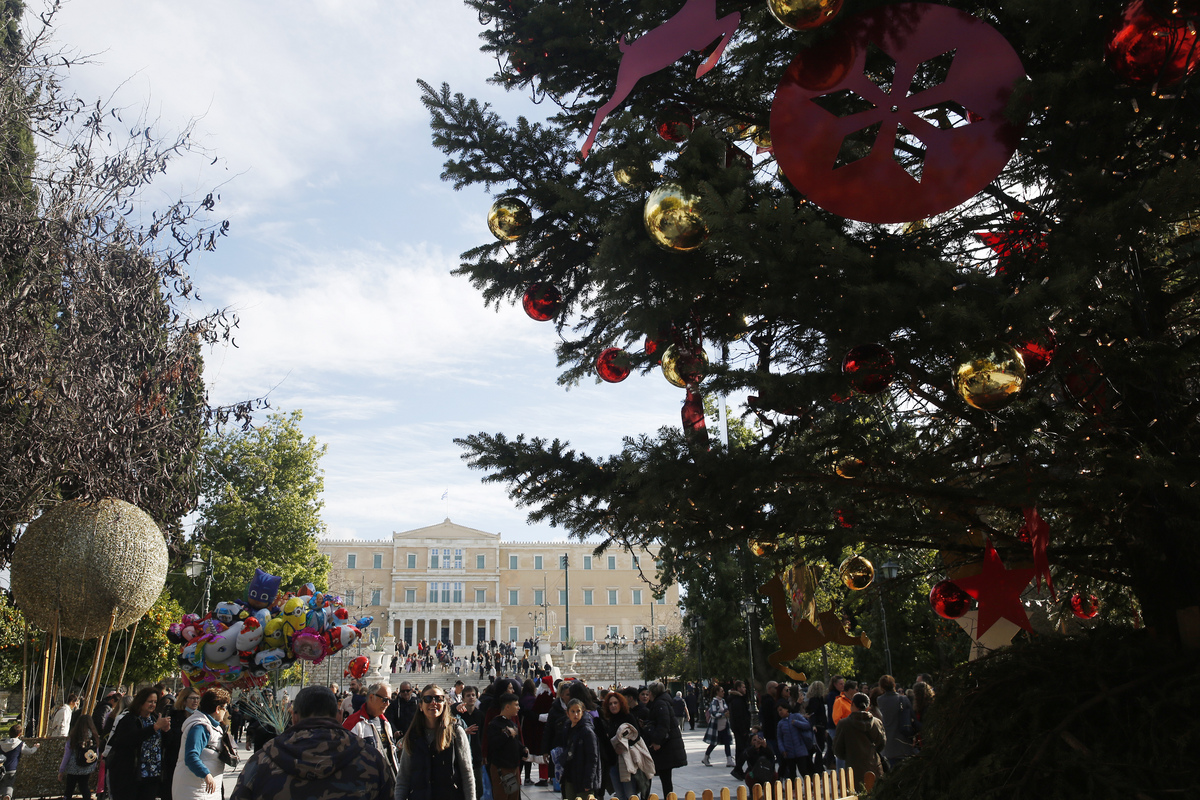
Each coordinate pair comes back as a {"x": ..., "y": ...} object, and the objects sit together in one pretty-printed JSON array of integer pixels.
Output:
[{"x": 967, "y": 321}]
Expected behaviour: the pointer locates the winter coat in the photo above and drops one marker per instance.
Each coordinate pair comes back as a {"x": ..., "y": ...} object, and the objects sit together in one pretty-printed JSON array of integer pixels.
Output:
[
  {"x": 201, "y": 739},
  {"x": 582, "y": 759},
  {"x": 11, "y": 751},
  {"x": 314, "y": 759},
  {"x": 554, "y": 734},
  {"x": 123, "y": 763},
  {"x": 415, "y": 780},
  {"x": 629, "y": 749},
  {"x": 504, "y": 751},
  {"x": 897, "y": 714},
  {"x": 60, "y": 721},
  {"x": 739, "y": 713},
  {"x": 794, "y": 735},
  {"x": 662, "y": 730},
  {"x": 606, "y": 729},
  {"x": 858, "y": 740}
]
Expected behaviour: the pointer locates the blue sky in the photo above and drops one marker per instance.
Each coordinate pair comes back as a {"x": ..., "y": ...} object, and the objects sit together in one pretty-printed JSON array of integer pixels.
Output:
[{"x": 342, "y": 241}]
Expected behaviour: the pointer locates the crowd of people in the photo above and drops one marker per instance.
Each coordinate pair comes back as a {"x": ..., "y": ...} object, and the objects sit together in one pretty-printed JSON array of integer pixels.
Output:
[{"x": 430, "y": 744}]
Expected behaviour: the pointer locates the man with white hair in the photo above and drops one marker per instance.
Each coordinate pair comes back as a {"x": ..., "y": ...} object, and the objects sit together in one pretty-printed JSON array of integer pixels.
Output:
[{"x": 372, "y": 726}]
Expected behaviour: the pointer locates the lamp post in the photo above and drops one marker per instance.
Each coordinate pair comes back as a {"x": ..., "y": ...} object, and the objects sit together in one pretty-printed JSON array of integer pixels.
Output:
[
  {"x": 197, "y": 567},
  {"x": 697, "y": 626},
  {"x": 610, "y": 641},
  {"x": 747, "y": 610},
  {"x": 888, "y": 571}
]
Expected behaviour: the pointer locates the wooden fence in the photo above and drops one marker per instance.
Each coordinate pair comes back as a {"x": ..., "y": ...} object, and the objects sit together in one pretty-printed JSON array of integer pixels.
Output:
[{"x": 831, "y": 785}]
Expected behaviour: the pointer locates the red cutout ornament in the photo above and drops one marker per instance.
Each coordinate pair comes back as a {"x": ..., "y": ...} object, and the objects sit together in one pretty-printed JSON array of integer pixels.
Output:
[
  {"x": 1152, "y": 48},
  {"x": 542, "y": 301},
  {"x": 879, "y": 123},
  {"x": 1015, "y": 243},
  {"x": 612, "y": 365},
  {"x": 948, "y": 600},
  {"x": 693, "y": 27},
  {"x": 998, "y": 591},
  {"x": 870, "y": 368},
  {"x": 1037, "y": 352},
  {"x": 694, "y": 428},
  {"x": 1085, "y": 607},
  {"x": 1085, "y": 383}
]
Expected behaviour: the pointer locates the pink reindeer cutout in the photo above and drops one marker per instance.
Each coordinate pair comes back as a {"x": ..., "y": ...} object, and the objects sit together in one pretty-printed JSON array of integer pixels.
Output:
[{"x": 691, "y": 28}]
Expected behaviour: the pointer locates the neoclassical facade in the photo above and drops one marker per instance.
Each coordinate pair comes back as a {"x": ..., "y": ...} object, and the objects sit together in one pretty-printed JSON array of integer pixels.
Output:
[{"x": 459, "y": 584}]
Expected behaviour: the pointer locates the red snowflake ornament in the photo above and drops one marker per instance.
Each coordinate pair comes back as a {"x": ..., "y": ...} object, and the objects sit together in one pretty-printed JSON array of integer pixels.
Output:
[{"x": 900, "y": 115}]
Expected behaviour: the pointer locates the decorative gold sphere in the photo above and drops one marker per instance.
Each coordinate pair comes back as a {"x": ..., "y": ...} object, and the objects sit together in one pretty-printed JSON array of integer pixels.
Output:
[
  {"x": 673, "y": 218},
  {"x": 989, "y": 375},
  {"x": 87, "y": 560},
  {"x": 509, "y": 218},
  {"x": 850, "y": 467},
  {"x": 857, "y": 573},
  {"x": 762, "y": 138},
  {"x": 803, "y": 15},
  {"x": 682, "y": 366}
]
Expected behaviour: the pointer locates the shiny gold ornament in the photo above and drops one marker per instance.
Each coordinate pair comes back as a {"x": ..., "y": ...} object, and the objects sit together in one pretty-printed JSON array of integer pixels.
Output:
[
  {"x": 509, "y": 218},
  {"x": 761, "y": 548},
  {"x": 762, "y": 139},
  {"x": 803, "y": 15},
  {"x": 850, "y": 468},
  {"x": 989, "y": 375},
  {"x": 741, "y": 130},
  {"x": 86, "y": 561},
  {"x": 673, "y": 218},
  {"x": 857, "y": 573},
  {"x": 682, "y": 366},
  {"x": 631, "y": 174}
]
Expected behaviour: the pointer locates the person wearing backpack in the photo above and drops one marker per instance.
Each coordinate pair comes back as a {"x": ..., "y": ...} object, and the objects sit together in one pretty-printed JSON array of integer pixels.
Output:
[
  {"x": 80, "y": 758},
  {"x": 760, "y": 761},
  {"x": 12, "y": 749},
  {"x": 897, "y": 712}
]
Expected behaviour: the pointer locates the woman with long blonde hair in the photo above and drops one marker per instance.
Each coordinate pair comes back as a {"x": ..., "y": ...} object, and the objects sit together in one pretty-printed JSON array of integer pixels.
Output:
[{"x": 435, "y": 763}]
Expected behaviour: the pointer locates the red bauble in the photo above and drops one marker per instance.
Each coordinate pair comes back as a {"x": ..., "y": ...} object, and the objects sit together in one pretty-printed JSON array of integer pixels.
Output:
[
  {"x": 905, "y": 135},
  {"x": 870, "y": 368},
  {"x": 612, "y": 365},
  {"x": 1085, "y": 383},
  {"x": 948, "y": 600},
  {"x": 846, "y": 517},
  {"x": 1037, "y": 352},
  {"x": 542, "y": 301},
  {"x": 675, "y": 123},
  {"x": 1085, "y": 607},
  {"x": 1148, "y": 47}
]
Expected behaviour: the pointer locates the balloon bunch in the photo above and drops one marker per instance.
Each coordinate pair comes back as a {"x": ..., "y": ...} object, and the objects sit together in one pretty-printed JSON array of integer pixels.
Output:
[{"x": 242, "y": 640}]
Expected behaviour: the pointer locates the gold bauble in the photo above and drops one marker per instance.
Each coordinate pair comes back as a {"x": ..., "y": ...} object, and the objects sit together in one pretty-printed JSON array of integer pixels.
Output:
[
  {"x": 87, "y": 561},
  {"x": 682, "y": 366},
  {"x": 803, "y": 15},
  {"x": 857, "y": 573},
  {"x": 741, "y": 130},
  {"x": 509, "y": 218},
  {"x": 761, "y": 548},
  {"x": 989, "y": 375},
  {"x": 762, "y": 139},
  {"x": 673, "y": 218},
  {"x": 849, "y": 467},
  {"x": 631, "y": 174}
]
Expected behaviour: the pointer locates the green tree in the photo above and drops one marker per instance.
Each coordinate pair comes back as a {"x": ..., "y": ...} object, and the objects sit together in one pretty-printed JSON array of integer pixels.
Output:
[
  {"x": 260, "y": 508},
  {"x": 665, "y": 658}
]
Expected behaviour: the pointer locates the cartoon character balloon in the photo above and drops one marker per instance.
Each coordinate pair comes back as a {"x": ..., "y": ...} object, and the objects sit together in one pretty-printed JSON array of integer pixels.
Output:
[{"x": 357, "y": 667}]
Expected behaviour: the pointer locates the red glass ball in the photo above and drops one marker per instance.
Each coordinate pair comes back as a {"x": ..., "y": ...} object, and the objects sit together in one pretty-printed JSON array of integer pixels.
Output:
[
  {"x": 612, "y": 365},
  {"x": 675, "y": 123},
  {"x": 651, "y": 346},
  {"x": 1085, "y": 607},
  {"x": 845, "y": 517},
  {"x": 870, "y": 368},
  {"x": 542, "y": 301},
  {"x": 1149, "y": 47},
  {"x": 1037, "y": 352},
  {"x": 1023, "y": 534},
  {"x": 948, "y": 600}
]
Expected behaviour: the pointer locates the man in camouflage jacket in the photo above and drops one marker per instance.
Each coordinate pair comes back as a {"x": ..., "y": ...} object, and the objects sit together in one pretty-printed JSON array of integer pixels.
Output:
[{"x": 315, "y": 759}]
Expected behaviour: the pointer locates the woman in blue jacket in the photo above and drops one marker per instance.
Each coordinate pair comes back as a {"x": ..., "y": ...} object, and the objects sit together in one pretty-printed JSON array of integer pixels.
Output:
[
  {"x": 795, "y": 739},
  {"x": 199, "y": 767}
]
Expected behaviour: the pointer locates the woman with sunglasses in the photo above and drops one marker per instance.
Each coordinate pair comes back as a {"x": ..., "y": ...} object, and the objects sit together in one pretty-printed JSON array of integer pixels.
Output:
[{"x": 435, "y": 763}]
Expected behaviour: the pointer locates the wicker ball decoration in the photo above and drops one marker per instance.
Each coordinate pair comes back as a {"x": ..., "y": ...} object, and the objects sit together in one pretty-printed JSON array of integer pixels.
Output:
[{"x": 88, "y": 560}]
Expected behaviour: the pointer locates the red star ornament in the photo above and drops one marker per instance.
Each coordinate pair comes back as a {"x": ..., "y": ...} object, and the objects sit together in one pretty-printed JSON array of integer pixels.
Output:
[{"x": 998, "y": 591}]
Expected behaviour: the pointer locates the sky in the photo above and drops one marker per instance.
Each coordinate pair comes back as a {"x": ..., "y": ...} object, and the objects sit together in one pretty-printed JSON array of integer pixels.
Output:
[{"x": 342, "y": 241}]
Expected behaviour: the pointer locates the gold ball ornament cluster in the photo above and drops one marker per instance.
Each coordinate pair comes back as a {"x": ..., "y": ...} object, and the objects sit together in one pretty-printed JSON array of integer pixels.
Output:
[
  {"x": 673, "y": 218},
  {"x": 86, "y": 561},
  {"x": 989, "y": 375},
  {"x": 509, "y": 218},
  {"x": 857, "y": 573},
  {"x": 803, "y": 15}
]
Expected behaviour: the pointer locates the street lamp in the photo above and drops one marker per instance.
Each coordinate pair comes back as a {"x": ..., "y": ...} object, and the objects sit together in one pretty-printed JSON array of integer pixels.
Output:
[
  {"x": 612, "y": 642},
  {"x": 747, "y": 610},
  {"x": 195, "y": 567},
  {"x": 888, "y": 572},
  {"x": 697, "y": 623}
]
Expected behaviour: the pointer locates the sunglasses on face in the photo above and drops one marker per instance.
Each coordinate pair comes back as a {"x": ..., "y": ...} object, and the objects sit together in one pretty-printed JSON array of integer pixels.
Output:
[
  {"x": 433, "y": 698},
  {"x": 384, "y": 698}
]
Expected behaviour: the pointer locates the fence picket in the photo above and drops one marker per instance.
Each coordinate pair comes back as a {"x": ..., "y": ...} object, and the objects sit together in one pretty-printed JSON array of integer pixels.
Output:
[{"x": 708, "y": 795}]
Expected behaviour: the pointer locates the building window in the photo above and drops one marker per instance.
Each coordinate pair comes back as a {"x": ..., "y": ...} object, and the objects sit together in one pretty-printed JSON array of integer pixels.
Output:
[
  {"x": 410, "y": 595},
  {"x": 376, "y": 597},
  {"x": 587, "y": 597},
  {"x": 636, "y": 563},
  {"x": 639, "y": 632},
  {"x": 445, "y": 558},
  {"x": 658, "y": 564},
  {"x": 563, "y": 562},
  {"x": 562, "y": 597},
  {"x": 538, "y": 597},
  {"x": 458, "y": 559},
  {"x": 637, "y": 597},
  {"x": 537, "y": 562},
  {"x": 433, "y": 592},
  {"x": 351, "y": 560},
  {"x": 513, "y": 633},
  {"x": 661, "y": 600},
  {"x": 481, "y": 595},
  {"x": 612, "y": 562},
  {"x": 514, "y": 597},
  {"x": 445, "y": 592},
  {"x": 458, "y": 593},
  {"x": 374, "y": 635},
  {"x": 377, "y": 561},
  {"x": 349, "y": 597},
  {"x": 589, "y": 633},
  {"x": 614, "y": 631},
  {"x": 662, "y": 631},
  {"x": 512, "y": 562},
  {"x": 587, "y": 562},
  {"x": 433, "y": 558},
  {"x": 480, "y": 562},
  {"x": 562, "y": 633},
  {"x": 612, "y": 597},
  {"x": 412, "y": 560}
]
